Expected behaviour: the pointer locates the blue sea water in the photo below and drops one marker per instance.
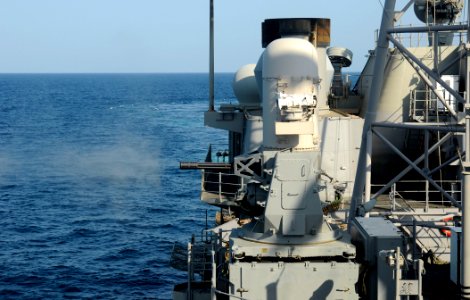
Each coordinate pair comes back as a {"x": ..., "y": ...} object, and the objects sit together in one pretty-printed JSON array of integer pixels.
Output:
[{"x": 91, "y": 196}]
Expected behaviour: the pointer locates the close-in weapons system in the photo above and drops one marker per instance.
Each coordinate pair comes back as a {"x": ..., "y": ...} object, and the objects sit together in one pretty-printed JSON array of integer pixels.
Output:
[{"x": 334, "y": 188}]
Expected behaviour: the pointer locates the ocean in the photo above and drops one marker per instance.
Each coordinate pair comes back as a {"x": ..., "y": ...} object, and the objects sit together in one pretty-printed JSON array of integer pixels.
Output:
[{"x": 92, "y": 198}]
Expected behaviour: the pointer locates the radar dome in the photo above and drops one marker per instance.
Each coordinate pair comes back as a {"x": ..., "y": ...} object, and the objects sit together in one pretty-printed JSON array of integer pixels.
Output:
[
  {"x": 245, "y": 87},
  {"x": 438, "y": 11}
]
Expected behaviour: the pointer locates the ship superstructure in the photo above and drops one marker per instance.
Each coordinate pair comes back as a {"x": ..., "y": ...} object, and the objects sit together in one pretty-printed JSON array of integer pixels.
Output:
[{"x": 339, "y": 191}]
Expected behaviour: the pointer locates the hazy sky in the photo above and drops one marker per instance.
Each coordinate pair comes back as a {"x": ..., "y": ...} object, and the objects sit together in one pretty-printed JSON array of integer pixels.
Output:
[{"x": 162, "y": 35}]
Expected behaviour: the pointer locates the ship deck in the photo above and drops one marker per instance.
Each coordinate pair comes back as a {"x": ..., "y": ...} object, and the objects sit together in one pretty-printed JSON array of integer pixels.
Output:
[{"x": 430, "y": 224}]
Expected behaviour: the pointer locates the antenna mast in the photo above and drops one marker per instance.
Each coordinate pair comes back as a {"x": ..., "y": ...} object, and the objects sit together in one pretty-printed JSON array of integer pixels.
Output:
[{"x": 211, "y": 56}]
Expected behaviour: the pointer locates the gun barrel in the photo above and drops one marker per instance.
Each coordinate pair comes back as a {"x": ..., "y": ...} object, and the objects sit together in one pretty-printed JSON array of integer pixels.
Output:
[{"x": 203, "y": 165}]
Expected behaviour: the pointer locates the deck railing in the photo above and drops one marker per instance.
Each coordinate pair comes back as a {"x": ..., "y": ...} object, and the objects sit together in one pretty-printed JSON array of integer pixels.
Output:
[
  {"x": 417, "y": 189},
  {"x": 226, "y": 186}
]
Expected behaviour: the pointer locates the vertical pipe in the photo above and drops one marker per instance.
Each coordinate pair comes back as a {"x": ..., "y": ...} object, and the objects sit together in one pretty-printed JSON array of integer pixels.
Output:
[
  {"x": 214, "y": 276},
  {"x": 211, "y": 56},
  {"x": 465, "y": 255},
  {"x": 368, "y": 169},
  {"x": 206, "y": 231},
  {"x": 420, "y": 281},
  {"x": 435, "y": 41},
  {"x": 374, "y": 95},
  {"x": 426, "y": 104},
  {"x": 426, "y": 167},
  {"x": 220, "y": 188},
  {"x": 414, "y": 239},
  {"x": 397, "y": 273}
]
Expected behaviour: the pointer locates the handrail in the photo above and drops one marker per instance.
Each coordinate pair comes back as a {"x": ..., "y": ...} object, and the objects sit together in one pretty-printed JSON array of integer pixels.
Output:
[
  {"x": 394, "y": 192},
  {"x": 217, "y": 184}
]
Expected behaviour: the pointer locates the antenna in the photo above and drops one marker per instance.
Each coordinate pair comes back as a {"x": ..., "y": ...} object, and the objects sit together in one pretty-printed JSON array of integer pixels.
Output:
[{"x": 211, "y": 56}]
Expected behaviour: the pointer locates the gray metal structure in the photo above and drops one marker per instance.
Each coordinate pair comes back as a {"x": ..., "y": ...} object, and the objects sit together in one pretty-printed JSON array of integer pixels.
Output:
[{"x": 314, "y": 212}]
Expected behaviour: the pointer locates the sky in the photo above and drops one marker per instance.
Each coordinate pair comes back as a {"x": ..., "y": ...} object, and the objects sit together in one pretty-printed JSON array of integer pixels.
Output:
[{"x": 160, "y": 36}]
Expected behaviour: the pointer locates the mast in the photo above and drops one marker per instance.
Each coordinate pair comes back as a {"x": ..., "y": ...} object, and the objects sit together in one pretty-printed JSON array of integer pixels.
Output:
[
  {"x": 374, "y": 95},
  {"x": 211, "y": 56}
]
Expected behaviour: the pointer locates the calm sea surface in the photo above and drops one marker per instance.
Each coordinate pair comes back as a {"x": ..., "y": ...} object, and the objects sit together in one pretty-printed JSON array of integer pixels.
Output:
[{"x": 91, "y": 196}]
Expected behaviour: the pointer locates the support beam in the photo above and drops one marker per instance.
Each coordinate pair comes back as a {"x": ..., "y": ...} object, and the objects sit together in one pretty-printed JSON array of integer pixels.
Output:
[
  {"x": 430, "y": 84},
  {"x": 445, "y": 164},
  {"x": 446, "y": 65},
  {"x": 426, "y": 29},
  {"x": 428, "y": 71},
  {"x": 417, "y": 169},
  {"x": 435, "y": 50},
  {"x": 368, "y": 184},
  {"x": 409, "y": 168},
  {"x": 377, "y": 83},
  {"x": 426, "y": 167},
  {"x": 400, "y": 14},
  {"x": 422, "y": 126}
]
